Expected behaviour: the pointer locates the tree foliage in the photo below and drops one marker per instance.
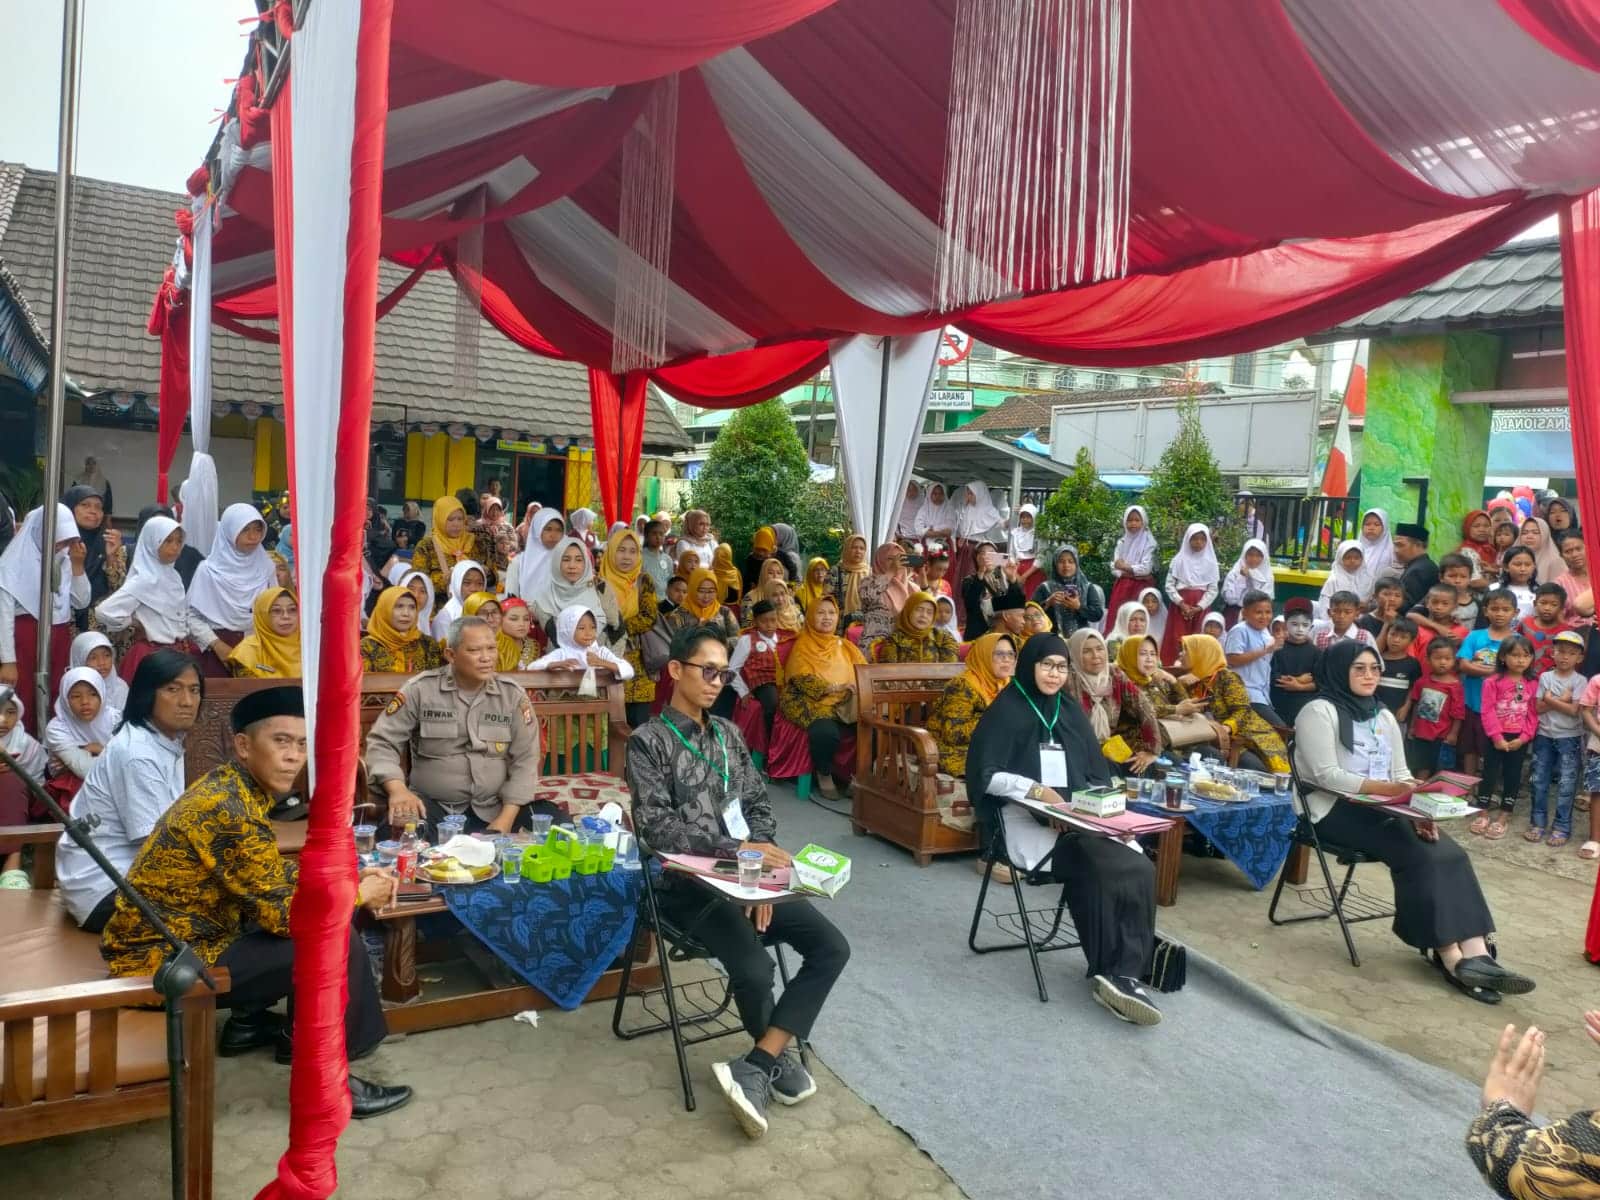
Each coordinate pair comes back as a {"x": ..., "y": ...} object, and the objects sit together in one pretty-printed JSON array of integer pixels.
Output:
[
  {"x": 1085, "y": 514},
  {"x": 755, "y": 474},
  {"x": 1187, "y": 486},
  {"x": 822, "y": 518}
]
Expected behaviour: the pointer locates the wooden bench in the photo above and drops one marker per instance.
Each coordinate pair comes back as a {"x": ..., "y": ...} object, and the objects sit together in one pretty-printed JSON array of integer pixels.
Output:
[
  {"x": 81, "y": 1050},
  {"x": 897, "y": 760}
]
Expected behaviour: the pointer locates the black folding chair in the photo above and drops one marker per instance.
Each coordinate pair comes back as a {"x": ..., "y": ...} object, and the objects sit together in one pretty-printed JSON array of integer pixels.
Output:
[
  {"x": 1347, "y": 903},
  {"x": 703, "y": 1006},
  {"x": 1055, "y": 929}
]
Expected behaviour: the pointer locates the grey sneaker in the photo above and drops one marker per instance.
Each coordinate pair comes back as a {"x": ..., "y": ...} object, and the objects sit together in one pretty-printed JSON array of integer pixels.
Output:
[
  {"x": 792, "y": 1083},
  {"x": 747, "y": 1089},
  {"x": 1127, "y": 999}
]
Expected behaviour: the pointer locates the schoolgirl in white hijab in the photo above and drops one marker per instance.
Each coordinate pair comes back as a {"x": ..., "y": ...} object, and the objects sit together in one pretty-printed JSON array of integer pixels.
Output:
[
  {"x": 1158, "y": 619},
  {"x": 226, "y": 584},
  {"x": 1194, "y": 570},
  {"x": 83, "y": 646},
  {"x": 535, "y": 556},
  {"x": 936, "y": 517},
  {"x": 1342, "y": 577},
  {"x": 153, "y": 595},
  {"x": 1133, "y": 561},
  {"x": 1021, "y": 540},
  {"x": 20, "y": 570},
  {"x": 458, "y": 596},
  {"x": 401, "y": 575},
  {"x": 1242, "y": 577},
  {"x": 976, "y": 515},
  {"x": 905, "y": 526},
  {"x": 68, "y": 735},
  {"x": 22, "y": 745},
  {"x": 945, "y": 617},
  {"x": 569, "y": 653},
  {"x": 1377, "y": 550}
]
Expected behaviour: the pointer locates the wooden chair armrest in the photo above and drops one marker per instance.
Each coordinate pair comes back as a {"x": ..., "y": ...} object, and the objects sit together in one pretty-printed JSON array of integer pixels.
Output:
[
  {"x": 923, "y": 748},
  {"x": 131, "y": 992},
  {"x": 31, "y": 835}
]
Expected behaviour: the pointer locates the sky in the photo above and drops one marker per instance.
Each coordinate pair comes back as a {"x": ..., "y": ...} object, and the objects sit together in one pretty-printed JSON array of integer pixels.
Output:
[{"x": 150, "y": 85}]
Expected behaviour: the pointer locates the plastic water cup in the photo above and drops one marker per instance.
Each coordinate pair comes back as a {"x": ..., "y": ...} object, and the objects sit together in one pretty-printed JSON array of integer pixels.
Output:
[
  {"x": 510, "y": 861},
  {"x": 1282, "y": 782},
  {"x": 450, "y": 827},
  {"x": 750, "y": 869},
  {"x": 366, "y": 840},
  {"x": 540, "y": 825}
]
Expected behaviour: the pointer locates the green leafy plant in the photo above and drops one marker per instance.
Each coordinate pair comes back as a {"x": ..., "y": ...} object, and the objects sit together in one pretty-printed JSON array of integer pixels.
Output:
[
  {"x": 755, "y": 474},
  {"x": 1083, "y": 513},
  {"x": 822, "y": 518},
  {"x": 1187, "y": 486}
]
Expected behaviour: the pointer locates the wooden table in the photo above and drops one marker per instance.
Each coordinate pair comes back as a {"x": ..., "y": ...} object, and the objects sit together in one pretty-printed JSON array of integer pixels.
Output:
[{"x": 409, "y": 1011}]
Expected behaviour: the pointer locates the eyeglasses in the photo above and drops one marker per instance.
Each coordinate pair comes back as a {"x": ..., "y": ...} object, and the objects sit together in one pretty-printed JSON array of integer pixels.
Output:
[
  {"x": 1366, "y": 668},
  {"x": 710, "y": 672},
  {"x": 1053, "y": 666},
  {"x": 1003, "y": 656}
]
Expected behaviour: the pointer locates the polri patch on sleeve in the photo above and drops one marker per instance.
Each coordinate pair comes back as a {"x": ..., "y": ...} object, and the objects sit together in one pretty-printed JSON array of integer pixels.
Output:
[
  {"x": 395, "y": 704},
  {"x": 527, "y": 713}
]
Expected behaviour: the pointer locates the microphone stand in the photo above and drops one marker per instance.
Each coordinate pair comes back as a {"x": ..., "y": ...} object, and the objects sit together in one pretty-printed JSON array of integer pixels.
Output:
[{"x": 180, "y": 968}]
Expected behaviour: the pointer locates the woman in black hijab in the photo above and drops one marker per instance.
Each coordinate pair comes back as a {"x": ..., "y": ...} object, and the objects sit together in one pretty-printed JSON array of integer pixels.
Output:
[
  {"x": 1350, "y": 756},
  {"x": 102, "y": 545},
  {"x": 1110, "y": 887}
]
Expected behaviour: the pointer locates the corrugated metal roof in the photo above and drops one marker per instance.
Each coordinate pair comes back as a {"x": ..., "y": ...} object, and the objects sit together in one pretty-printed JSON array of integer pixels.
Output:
[
  {"x": 1516, "y": 284},
  {"x": 1022, "y": 413},
  {"x": 121, "y": 241}
]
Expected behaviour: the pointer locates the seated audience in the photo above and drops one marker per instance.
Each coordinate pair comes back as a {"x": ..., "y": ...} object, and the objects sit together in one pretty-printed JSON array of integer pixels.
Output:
[
  {"x": 393, "y": 644},
  {"x": 578, "y": 647},
  {"x": 469, "y": 737},
  {"x": 844, "y": 580},
  {"x": 93, "y": 649},
  {"x": 486, "y": 607},
  {"x": 467, "y": 578},
  {"x": 226, "y": 584},
  {"x": 1347, "y": 574},
  {"x": 883, "y": 594},
  {"x": 272, "y": 649},
  {"x": 152, "y": 601},
  {"x": 1132, "y": 622},
  {"x": 446, "y": 546},
  {"x": 818, "y": 695},
  {"x": 22, "y": 566},
  {"x": 1120, "y": 714},
  {"x": 1227, "y": 703},
  {"x": 132, "y": 783},
  {"x": 916, "y": 638},
  {"x": 1070, "y": 598},
  {"x": 571, "y": 580},
  {"x": 1034, "y": 620},
  {"x": 771, "y": 572},
  {"x": 991, "y": 662},
  {"x": 755, "y": 664},
  {"x": 1110, "y": 887},
  {"x": 696, "y": 791},
  {"x": 1347, "y": 744},
  {"x": 211, "y": 870},
  {"x": 946, "y": 608},
  {"x": 78, "y": 733},
  {"x": 16, "y": 802}
]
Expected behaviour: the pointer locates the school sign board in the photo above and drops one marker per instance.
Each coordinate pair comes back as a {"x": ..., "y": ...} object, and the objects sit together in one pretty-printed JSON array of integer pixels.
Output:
[
  {"x": 1262, "y": 433},
  {"x": 1530, "y": 441}
]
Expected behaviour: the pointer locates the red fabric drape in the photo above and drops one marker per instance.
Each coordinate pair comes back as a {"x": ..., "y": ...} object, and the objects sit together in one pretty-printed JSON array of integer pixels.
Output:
[
  {"x": 617, "y": 411},
  {"x": 1570, "y": 28},
  {"x": 1580, "y": 287},
  {"x": 169, "y": 319},
  {"x": 319, "y": 917}
]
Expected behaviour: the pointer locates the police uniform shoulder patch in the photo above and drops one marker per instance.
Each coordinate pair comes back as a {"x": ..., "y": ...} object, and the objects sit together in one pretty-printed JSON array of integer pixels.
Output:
[
  {"x": 396, "y": 703},
  {"x": 527, "y": 713}
]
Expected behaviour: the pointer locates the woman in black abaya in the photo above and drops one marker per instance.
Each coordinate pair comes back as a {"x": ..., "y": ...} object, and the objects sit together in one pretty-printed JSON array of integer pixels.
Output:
[{"x": 1110, "y": 886}]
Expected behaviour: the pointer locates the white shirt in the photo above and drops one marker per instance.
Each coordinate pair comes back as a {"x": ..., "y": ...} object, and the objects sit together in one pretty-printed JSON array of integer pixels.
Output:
[
  {"x": 750, "y": 642},
  {"x": 129, "y": 787},
  {"x": 8, "y": 615},
  {"x": 705, "y": 550},
  {"x": 1327, "y": 769},
  {"x": 121, "y": 609}
]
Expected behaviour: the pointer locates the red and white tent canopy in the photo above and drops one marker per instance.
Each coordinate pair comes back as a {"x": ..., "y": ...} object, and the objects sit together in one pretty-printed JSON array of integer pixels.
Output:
[{"x": 703, "y": 192}]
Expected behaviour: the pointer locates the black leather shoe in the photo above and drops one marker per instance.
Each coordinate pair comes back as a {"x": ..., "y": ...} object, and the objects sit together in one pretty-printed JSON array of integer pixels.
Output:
[
  {"x": 1483, "y": 971},
  {"x": 283, "y": 1048},
  {"x": 374, "y": 1099},
  {"x": 1482, "y": 995},
  {"x": 243, "y": 1032}
]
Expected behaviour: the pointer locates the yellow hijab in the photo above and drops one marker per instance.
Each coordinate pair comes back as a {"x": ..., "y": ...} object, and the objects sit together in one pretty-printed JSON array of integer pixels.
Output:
[
  {"x": 728, "y": 577},
  {"x": 263, "y": 650},
  {"x": 979, "y": 669},
  {"x": 852, "y": 573},
  {"x": 766, "y": 538},
  {"x": 507, "y": 649},
  {"x": 1128, "y": 657},
  {"x": 691, "y": 602},
  {"x": 380, "y": 625},
  {"x": 623, "y": 585},
  {"x": 471, "y": 605},
  {"x": 443, "y": 508},
  {"x": 808, "y": 593},
  {"x": 828, "y": 656},
  {"x": 903, "y": 625},
  {"x": 1204, "y": 656},
  {"x": 777, "y": 591}
]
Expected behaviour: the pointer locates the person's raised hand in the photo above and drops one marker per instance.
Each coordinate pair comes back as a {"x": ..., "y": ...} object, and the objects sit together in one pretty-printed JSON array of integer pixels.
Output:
[
  {"x": 1516, "y": 1069},
  {"x": 77, "y": 555},
  {"x": 113, "y": 540},
  {"x": 8, "y": 674}
]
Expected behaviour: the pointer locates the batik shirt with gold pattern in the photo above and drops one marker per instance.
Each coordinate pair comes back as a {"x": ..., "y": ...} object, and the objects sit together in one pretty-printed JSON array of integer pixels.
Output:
[{"x": 211, "y": 870}]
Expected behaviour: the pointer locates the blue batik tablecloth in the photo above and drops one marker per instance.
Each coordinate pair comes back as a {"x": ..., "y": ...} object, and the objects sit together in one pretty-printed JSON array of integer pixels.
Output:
[
  {"x": 1254, "y": 836},
  {"x": 559, "y": 936}
]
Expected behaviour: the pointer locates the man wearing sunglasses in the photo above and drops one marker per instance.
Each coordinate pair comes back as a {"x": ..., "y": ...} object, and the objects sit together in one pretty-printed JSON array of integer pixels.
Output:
[{"x": 696, "y": 791}]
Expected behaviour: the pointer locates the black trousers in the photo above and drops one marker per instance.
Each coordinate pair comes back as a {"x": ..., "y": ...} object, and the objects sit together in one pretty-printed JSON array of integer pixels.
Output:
[
  {"x": 1437, "y": 900},
  {"x": 824, "y": 736},
  {"x": 1269, "y": 714},
  {"x": 727, "y": 932},
  {"x": 767, "y": 696},
  {"x": 95, "y": 922},
  {"x": 261, "y": 967},
  {"x": 1111, "y": 894},
  {"x": 1502, "y": 775}
]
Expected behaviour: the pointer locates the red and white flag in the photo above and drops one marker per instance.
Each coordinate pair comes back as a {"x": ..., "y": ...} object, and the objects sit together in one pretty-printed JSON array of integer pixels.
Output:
[{"x": 1336, "y": 474}]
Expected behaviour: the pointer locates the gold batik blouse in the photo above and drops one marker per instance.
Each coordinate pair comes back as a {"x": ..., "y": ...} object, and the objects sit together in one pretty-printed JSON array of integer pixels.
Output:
[
  {"x": 210, "y": 869},
  {"x": 424, "y": 654},
  {"x": 900, "y": 648},
  {"x": 641, "y": 689},
  {"x": 425, "y": 558},
  {"x": 952, "y": 720},
  {"x": 1228, "y": 703},
  {"x": 1522, "y": 1161},
  {"x": 805, "y": 698}
]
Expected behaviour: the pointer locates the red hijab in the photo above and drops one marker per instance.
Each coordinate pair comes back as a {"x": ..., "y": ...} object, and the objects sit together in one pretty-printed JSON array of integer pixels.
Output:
[{"x": 1484, "y": 550}]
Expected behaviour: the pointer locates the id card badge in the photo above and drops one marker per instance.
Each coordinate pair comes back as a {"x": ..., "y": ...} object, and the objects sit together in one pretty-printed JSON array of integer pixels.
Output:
[
  {"x": 1052, "y": 765},
  {"x": 1379, "y": 759},
  {"x": 733, "y": 820}
]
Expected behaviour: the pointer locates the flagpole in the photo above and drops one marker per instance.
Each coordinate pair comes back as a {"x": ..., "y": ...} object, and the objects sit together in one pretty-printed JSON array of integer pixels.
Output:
[{"x": 56, "y": 411}]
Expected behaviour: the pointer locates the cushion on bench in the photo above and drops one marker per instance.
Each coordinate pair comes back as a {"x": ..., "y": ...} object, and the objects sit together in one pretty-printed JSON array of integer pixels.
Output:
[{"x": 583, "y": 795}]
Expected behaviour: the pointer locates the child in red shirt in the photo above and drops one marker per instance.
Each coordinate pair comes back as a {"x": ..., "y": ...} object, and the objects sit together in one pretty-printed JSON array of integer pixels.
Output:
[
  {"x": 1438, "y": 706},
  {"x": 1435, "y": 617},
  {"x": 1549, "y": 602}
]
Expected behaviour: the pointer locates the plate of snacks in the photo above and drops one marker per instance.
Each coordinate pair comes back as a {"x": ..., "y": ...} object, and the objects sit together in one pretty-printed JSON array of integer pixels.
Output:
[
  {"x": 1214, "y": 790},
  {"x": 446, "y": 869}
]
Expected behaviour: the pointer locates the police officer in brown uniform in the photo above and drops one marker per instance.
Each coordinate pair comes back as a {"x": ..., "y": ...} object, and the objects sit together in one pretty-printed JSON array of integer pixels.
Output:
[{"x": 469, "y": 736}]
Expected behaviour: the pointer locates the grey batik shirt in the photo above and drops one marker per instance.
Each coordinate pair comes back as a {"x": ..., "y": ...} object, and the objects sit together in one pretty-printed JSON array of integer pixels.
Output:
[{"x": 678, "y": 795}]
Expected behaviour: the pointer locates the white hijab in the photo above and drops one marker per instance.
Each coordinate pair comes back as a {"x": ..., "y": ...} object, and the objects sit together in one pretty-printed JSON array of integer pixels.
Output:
[
  {"x": 1134, "y": 547},
  {"x": 534, "y": 559},
  {"x": 1195, "y": 568},
  {"x": 934, "y": 514},
  {"x": 22, "y": 745},
  {"x": 458, "y": 597},
  {"x": 226, "y": 584},
  {"x": 1120, "y": 631},
  {"x": 1260, "y": 578},
  {"x": 1158, "y": 623},
  {"x": 66, "y": 731},
  {"x": 400, "y": 576},
  {"x": 1377, "y": 557},
  {"x": 906, "y": 524},
  {"x": 153, "y": 583},
  {"x": 951, "y": 627},
  {"x": 567, "y": 631},
  {"x": 1340, "y": 579},
  {"x": 555, "y": 595},
  {"x": 1022, "y": 540},
  {"x": 23, "y": 561},
  {"x": 978, "y": 518},
  {"x": 85, "y": 644}
]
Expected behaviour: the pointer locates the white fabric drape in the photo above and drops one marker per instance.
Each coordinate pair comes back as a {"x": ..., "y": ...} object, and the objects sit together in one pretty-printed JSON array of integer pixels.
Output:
[
  {"x": 857, "y": 364},
  {"x": 200, "y": 491},
  {"x": 324, "y": 83}
]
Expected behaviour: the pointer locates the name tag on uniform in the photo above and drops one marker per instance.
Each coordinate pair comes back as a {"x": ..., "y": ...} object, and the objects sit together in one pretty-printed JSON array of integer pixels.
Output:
[
  {"x": 733, "y": 820},
  {"x": 1379, "y": 759},
  {"x": 496, "y": 718},
  {"x": 447, "y": 715},
  {"x": 1052, "y": 765}
]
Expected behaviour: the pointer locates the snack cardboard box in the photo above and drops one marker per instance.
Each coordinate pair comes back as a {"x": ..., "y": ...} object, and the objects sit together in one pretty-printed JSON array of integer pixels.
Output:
[
  {"x": 818, "y": 869},
  {"x": 1439, "y": 806},
  {"x": 1100, "y": 802}
]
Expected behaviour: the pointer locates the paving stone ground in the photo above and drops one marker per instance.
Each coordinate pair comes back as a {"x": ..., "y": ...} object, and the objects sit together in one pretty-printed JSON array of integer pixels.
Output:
[{"x": 566, "y": 1111}]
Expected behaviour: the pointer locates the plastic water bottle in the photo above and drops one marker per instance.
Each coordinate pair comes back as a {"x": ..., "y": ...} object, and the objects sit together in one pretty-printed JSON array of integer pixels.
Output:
[
  {"x": 628, "y": 852},
  {"x": 405, "y": 862}
]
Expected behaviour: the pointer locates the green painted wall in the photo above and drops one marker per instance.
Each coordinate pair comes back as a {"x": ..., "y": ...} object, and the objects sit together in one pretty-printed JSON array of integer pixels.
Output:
[{"x": 1412, "y": 429}]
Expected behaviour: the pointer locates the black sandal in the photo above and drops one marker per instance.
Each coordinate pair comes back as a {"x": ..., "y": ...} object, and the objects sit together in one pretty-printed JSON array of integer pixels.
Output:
[{"x": 1481, "y": 994}]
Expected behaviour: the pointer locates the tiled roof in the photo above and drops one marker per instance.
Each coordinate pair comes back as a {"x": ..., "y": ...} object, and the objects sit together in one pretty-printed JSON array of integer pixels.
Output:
[
  {"x": 1516, "y": 284},
  {"x": 122, "y": 239},
  {"x": 1028, "y": 413}
]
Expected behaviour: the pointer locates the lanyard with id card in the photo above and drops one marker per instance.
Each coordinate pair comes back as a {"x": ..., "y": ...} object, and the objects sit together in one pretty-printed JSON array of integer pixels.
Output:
[
  {"x": 1380, "y": 756},
  {"x": 732, "y": 809},
  {"x": 1052, "y": 756}
]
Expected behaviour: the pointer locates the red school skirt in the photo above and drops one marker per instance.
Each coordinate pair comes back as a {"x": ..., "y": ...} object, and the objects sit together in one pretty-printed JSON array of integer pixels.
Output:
[
  {"x": 139, "y": 650},
  {"x": 1126, "y": 588},
  {"x": 1180, "y": 626},
  {"x": 214, "y": 665},
  {"x": 25, "y": 630}
]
